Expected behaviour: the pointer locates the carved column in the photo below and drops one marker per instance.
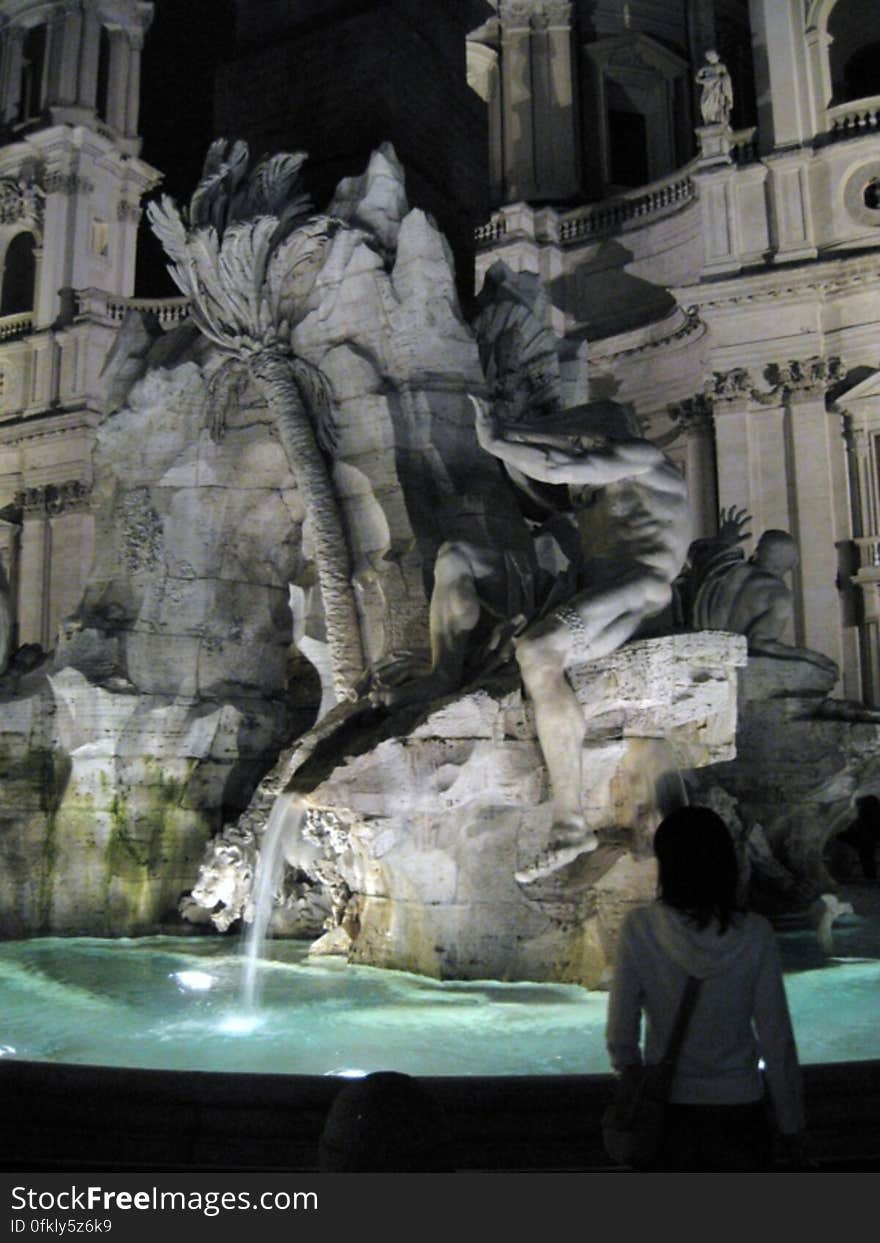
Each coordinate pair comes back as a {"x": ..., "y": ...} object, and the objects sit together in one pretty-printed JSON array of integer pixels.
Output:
[
  {"x": 730, "y": 394},
  {"x": 12, "y": 52},
  {"x": 517, "y": 92},
  {"x": 484, "y": 77},
  {"x": 33, "y": 568},
  {"x": 865, "y": 565},
  {"x": 132, "y": 108},
  {"x": 557, "y": 174},
  {"x": 71, "y": 528},
  {"x": 88, "y": 61},
  {"x": 9, "y": 533},
  {"x": 118, "y": 81},
  {"x": 694, "y": 416},
  {"x": 71, "y": 45},
  {"x": 813, "y": 439},
  {"x": 55, "y": 553}
]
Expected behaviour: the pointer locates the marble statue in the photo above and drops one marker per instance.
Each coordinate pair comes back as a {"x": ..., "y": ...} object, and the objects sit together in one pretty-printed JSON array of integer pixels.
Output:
[
  {"x": 488, "y": 576},
  {"x": 750, "y": 597},
  {"x": 627, "y": 504},
  {"x": 716, "y": 99}
]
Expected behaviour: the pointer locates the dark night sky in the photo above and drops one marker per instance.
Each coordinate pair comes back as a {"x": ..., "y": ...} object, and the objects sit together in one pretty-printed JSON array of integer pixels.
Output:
[{"x": 187, "y": 39}]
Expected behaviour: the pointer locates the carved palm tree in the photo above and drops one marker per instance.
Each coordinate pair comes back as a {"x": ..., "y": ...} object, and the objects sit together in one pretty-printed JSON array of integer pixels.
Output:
[{"x": 247, "y": 258}]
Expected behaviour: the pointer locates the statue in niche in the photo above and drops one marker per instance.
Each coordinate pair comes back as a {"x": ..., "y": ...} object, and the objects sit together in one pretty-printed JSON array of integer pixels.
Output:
[
  {"x": 716, "y": 99},
  {"x": 618, "y": 507},
  {"x": 724, "y": 591}
]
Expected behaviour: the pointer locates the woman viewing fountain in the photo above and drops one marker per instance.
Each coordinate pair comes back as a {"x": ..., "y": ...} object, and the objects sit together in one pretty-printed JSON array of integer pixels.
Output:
[{"x": 716, "y": 1117}]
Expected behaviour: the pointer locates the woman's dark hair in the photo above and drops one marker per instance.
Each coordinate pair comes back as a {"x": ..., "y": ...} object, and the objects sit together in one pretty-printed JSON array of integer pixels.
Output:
[
  {"x": 698, "y": 868},
  {"x": 386, "y": 1122}
]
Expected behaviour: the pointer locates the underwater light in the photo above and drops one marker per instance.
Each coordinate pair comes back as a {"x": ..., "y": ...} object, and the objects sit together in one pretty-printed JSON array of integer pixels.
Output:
[
  {"x": 348, "y": 1072},
  {"x": 240, "y": 1024},
  {"x": 197, "y": 981},
  {"x": 6, "y": 1050}
]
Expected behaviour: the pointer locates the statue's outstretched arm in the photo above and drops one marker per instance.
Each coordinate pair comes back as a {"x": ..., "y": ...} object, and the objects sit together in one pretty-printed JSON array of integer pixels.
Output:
[{"x": 618, "y": 459}]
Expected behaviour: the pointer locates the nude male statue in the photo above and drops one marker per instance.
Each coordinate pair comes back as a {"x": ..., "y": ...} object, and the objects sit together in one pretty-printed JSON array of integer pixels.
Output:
[{"x": 629, "y": 505}]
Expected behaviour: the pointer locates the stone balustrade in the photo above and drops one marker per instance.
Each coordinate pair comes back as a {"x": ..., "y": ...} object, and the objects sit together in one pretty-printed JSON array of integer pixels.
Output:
[
  {"x": 16, "y": 325},
  {"x": 96, "y": 303},
  {"x": 653, "y": 201},
  {"x": 850, "y": 120},
  {"x": 490, "y": 232},
  {"x": 869, "y": 552},
  {"x": 636, "y": 207}
]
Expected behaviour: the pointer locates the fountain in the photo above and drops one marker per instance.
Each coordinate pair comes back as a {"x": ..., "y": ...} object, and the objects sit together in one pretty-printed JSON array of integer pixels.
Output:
[
  {"x": 285, "y": 821},
  {"x": 317, "y": 439}
]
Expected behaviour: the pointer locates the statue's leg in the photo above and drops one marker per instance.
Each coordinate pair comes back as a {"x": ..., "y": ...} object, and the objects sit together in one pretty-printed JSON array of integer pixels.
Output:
[
  {"x": 559, "y": 720},
  {"x": 591, "y": 625},
  {"x": 454, "y": 612}
]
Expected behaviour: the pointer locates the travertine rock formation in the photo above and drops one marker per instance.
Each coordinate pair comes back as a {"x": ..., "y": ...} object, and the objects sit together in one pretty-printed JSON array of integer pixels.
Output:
[{"x": 425, "y": 820}]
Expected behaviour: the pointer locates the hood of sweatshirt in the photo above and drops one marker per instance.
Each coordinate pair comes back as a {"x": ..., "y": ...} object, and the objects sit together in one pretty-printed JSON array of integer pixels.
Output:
[{"x": 699, "y": 951}]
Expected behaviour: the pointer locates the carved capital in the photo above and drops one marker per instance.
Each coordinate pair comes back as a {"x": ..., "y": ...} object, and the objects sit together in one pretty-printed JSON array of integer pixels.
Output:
[
  {"x": 694, "y": 415},
  {"x": 558, "y": 12},
  {"x": 128, "y": 212},
  {"x": 515, "y": 14},
  {"x": 803, "y": 379},
  {"x": 552, "y": 14},
  {"x": 67, "y": 183},
  {"x": 733, "y": 385},
  {"x": 22, "y": 201},
  {"x": 50, "y": 499}
]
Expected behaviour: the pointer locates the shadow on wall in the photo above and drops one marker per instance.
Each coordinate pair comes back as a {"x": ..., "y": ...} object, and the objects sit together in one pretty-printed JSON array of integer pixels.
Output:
[{"x": 605, "y": 298}]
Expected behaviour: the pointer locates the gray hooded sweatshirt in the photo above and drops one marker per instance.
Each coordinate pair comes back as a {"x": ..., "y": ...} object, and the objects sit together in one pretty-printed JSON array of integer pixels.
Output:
[{"x": 741, "y": 1014}]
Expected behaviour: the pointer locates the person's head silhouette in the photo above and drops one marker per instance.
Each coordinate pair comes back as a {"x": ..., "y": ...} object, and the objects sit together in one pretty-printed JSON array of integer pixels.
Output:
[{"x": 385, "y": 1122}]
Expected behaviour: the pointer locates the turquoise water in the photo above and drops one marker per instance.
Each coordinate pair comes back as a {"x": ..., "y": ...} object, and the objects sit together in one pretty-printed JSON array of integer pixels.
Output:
[{"x": 173, "y": 1003}]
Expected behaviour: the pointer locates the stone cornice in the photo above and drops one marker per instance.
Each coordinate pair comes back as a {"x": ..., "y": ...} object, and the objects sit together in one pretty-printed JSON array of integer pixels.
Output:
[
  {"x": 687, "y": 329},
  {"x": 824, "y": 278},
  {"x": 17, "y": 428}
]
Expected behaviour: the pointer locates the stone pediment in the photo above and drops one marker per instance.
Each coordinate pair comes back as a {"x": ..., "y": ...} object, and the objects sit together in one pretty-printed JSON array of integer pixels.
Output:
[{"x": 867, "y": 389}]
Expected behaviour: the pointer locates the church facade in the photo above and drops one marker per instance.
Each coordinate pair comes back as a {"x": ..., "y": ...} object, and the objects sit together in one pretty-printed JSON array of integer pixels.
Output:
[
  {"x": 729, "y": 291},
  {"x": 696, "y": 186}
]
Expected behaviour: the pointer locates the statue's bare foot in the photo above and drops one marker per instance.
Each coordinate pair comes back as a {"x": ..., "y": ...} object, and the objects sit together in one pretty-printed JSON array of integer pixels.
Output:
[{"x": 567, "y": 843}]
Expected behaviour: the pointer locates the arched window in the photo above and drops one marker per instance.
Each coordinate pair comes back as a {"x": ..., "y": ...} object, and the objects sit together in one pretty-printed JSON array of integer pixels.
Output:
[
  {"x": 33, "y": 60},
  {"x": 19, "y": 269},
  {"x": 854, "y": 54},
  {"x": 102, "y": 94}
]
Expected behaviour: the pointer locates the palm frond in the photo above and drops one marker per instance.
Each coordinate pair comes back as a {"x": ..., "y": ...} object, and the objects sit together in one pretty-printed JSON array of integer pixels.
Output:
[{"x": 165, "y": 221}]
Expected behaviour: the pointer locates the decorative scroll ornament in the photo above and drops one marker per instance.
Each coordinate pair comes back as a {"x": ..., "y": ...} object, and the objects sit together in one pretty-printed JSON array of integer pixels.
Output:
[
  {"x": 694, "y": 414},
  {"x": 50, "y": 499},
  {"x": 22, "y": 202},
  {"x": 515, "y": 14},
  {"x": 733, "y": 385},
  {"x": 804, "y": 377},
  {"x": 797, "y": 378},
  {"x": 551, "y": 13}
]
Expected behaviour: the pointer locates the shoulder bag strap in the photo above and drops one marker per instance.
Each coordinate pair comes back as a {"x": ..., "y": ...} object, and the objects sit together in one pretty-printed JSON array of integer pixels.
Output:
[{"x": 682, "y": 1018}]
